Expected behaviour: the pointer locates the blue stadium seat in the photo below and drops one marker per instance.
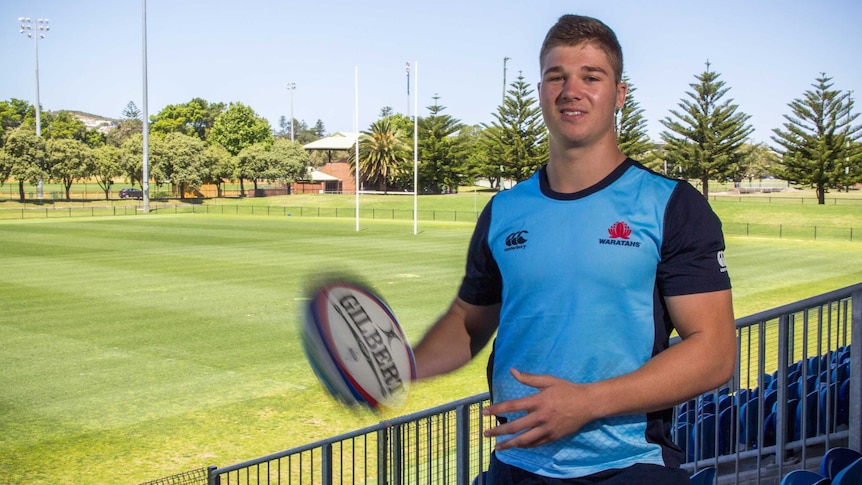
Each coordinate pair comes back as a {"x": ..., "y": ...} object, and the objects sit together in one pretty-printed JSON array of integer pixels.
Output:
[
  {"x": 792, "y": 405},
  {"x": 814, "y": 365},
  {"x": 769, "y": 398},
  {"x": 841, "y": 372},
  {"x": 748, "y": 425},
  {"x": 807, "y": 385},
  {"x": 704, "y": 477},
  {"x": 769, "y": 424},
  {"x": 837, "y": 459},
  {"x": 726, "y": 430},
  {"x": 703, "y": 438},
  {"x": 687, "y": 412},
  {"x": 724, "y": 402},
  {"x": 806, "y": 415},
  {"x": 804, "y": 477},
  {"x": 850, "y": 475},
  {"x": 683, "y": 440},
  {"x": 828, "y": 405},
  {"x": 843, "y": 399}
]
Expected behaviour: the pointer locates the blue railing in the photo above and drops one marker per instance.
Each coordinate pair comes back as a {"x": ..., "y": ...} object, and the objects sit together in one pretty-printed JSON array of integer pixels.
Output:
[{"x": 798, "y": 355}]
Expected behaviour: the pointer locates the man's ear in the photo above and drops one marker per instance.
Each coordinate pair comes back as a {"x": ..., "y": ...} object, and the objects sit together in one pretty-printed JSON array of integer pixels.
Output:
[{"x": 622, "y": 90}]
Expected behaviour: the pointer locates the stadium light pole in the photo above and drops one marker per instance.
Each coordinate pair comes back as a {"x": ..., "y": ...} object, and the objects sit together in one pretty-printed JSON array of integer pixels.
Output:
[
  {"x": 145, "y": 176},
  {"x": 505, "y": 60},
  {"x": 291, "y": 87},
  {"x": 35, "y": 32}
]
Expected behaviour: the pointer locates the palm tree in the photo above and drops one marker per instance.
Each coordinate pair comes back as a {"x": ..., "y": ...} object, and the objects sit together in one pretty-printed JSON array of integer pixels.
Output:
[{"x": 381, "y": 152}]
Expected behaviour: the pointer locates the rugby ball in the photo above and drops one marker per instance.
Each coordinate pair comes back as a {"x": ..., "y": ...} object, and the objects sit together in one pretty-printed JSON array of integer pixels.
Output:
[{"x": 356, "y": 347}]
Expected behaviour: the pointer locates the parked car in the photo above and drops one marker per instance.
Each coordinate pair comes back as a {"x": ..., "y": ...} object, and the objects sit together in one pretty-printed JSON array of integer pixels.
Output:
[{"x": 131, "y": 193}]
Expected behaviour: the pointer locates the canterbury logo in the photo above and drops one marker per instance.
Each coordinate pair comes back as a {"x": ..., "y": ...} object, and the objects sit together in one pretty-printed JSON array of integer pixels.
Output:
[
  {"x": 516, "y": 240},
  {"x": 619, "y": 233}
]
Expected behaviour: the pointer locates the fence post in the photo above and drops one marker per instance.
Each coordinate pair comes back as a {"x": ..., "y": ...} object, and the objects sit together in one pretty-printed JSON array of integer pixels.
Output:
[
  {"x": 212, "y": 477},
  {"x": 781, "y": 437},
  {"x": 382, "y": 455},
  {"x": 855, "y": 391},
  {"x": 462, "y": 444},
  {"x": 326, "y": 464}
]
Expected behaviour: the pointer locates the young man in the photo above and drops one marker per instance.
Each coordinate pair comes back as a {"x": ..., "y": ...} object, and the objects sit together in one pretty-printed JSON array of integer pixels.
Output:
[{"x": 583, "y": 271}]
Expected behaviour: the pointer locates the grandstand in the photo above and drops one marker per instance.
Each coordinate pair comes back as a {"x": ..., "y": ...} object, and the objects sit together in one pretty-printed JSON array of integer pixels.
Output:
[{"x": 788, "y": 415}]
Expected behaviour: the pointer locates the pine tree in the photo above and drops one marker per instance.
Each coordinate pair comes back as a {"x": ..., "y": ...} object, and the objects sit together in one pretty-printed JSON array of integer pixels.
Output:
[
  {"x": 440, "y": 155},
  {"x": 819, "y": 145},
  {"x": 632, "y": 136},
  {"x": 705, "y": 140},
  {"x": 131, "y": 111},
  {"x": 518, "y": 139}
]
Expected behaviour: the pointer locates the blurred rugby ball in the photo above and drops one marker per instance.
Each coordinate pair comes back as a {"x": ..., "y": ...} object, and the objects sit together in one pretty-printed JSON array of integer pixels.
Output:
[{"x": 356, "y": 347}]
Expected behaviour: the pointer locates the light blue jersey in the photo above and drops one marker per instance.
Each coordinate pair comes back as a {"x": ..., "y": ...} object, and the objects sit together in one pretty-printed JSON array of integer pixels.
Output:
[{"x": 582, "y": 279}]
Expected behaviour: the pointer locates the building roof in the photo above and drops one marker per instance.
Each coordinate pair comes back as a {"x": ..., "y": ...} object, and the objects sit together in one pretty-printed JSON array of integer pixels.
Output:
[
  {"x": 318, "y": 176},
  {"x": 343, "y": 140}
]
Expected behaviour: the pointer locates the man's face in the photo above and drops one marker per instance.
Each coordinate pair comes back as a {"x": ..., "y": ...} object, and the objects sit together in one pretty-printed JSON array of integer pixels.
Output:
[{"x": 579, "y": 94}]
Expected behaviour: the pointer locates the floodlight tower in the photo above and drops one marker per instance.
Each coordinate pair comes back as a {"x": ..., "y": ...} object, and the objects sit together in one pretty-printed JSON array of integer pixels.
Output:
[
  {"x": 35, "y": 32},
  {"x": 505, "y": 60},
  {"x": 291, "y": 87}
]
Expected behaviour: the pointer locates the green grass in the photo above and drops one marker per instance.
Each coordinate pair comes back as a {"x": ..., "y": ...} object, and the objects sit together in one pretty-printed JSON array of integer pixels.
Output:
[{"x": 142, "y": 346}]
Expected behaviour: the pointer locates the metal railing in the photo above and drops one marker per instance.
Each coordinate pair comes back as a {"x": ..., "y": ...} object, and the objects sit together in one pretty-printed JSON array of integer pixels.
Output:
[
  {"x": 796, "y": 392},
  {"x": 742, "y": 428},
  {"x": 439, "y": 445}
]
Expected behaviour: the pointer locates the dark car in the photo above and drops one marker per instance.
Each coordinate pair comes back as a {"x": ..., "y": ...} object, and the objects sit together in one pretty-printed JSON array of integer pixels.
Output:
[{"x": 131, "y": 194}]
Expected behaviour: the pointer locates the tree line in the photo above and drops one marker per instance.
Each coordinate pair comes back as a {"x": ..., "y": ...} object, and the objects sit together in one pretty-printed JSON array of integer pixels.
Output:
[{"x": 706, "y": 138}]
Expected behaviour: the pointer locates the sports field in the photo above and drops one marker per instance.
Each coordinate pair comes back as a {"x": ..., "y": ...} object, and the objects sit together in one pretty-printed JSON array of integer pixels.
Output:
[{"x": 142, "y": 346}]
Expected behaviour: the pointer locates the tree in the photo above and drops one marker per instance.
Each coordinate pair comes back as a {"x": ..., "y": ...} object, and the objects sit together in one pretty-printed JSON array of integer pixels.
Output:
[
  {"x": 26, "y": 151},
  {"x": 318, "y": 129},
  {"x": 819, "y": 145},
  {"x": 194, "y": 118},
  {"x": 12, "y": 115},
  {"x": 381, "y": 153},
  {"x": 130, "y": 124},
  {"x": 440, "y": 156},
  {"x": 480, "y": 162},
  {"x": 131, "y": 111},
  {"x": 283, "y": 126},
  {"x": 253, "y": 163},
  {"x": 63, "y": 125},
  {"x": 289, "y": 162},
  {"x": 632, "y": 136},
  {"x": 760, "y": 162},
  {"x": 219, "y": 164},
  {"x": 237, "y": 128},
  {"x": 68, "y": 160},
  {"x": 518, "y": 139},
  {"x": 178, "y": 159},
  {"x": 132, "y": 158},
  {"x": 705, "y": 140},
  {"x": 106, "y": 165}
]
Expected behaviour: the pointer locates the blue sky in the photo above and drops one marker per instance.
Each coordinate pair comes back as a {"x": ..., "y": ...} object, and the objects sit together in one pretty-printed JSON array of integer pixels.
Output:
[{"x": 769, "y": 52}]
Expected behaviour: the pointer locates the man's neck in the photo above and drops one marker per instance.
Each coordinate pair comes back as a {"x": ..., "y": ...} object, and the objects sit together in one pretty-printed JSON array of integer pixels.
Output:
[{"x": 574, "y": 169}]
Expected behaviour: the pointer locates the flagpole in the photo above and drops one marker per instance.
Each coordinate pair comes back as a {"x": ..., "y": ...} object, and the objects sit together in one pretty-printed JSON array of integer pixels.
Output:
[
  {"x": 356, "y": 131},
  {"x": 415, "y": 147}
]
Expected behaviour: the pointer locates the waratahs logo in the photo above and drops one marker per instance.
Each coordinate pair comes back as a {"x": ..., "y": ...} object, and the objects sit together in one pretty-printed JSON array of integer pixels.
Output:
[
  {"x": 619, "y": 233},
  {"x": 620, "y": 230}
]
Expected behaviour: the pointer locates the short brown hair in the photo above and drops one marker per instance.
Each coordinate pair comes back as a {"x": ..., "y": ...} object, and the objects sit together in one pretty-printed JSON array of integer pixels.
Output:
[{"x": 573, "y": 30}]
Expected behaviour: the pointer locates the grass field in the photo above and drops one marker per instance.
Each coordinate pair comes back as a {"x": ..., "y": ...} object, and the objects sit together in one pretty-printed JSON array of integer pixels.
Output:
[{"x": 142, "y": 346}]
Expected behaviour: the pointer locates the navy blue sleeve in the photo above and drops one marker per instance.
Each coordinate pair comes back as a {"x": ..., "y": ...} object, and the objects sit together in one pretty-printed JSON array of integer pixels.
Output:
[
  {"x": 692, "y": 252},
  {"x": 482, "y": 283}
]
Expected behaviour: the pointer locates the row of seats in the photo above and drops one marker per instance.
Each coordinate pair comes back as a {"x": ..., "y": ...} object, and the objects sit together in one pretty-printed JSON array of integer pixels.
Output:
[
  {"x": 839, "y": 466},
  {"x": 817, "y": 402}
]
